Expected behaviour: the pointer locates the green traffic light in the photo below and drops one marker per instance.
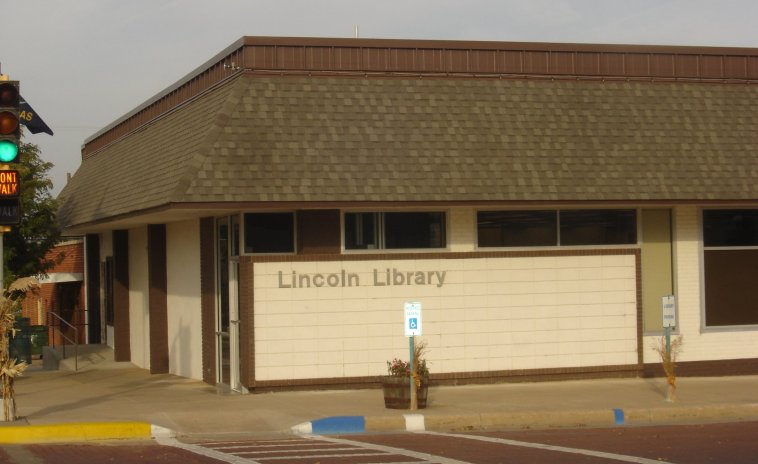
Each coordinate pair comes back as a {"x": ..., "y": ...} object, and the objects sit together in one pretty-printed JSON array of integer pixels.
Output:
[{"x": 8, "y": 151}]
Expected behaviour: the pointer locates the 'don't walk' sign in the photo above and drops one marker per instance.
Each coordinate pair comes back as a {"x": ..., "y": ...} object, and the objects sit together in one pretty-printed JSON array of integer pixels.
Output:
[{"x": 9, "y": 183}]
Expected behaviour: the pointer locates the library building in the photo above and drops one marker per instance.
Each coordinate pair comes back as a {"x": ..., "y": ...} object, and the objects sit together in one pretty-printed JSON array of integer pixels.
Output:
[{"x": 260, "y": 224}]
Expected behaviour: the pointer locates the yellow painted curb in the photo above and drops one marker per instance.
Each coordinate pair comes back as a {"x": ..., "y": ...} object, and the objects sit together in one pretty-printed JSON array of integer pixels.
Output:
[{"x": 78, "y": 431}]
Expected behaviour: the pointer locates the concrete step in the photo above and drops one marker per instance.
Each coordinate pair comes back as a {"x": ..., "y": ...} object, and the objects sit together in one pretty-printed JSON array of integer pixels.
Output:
[{"x": 81, "y": 357}]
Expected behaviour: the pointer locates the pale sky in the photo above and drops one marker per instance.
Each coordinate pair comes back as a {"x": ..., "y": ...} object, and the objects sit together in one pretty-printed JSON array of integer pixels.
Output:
[{"x": 84, "y": 63}]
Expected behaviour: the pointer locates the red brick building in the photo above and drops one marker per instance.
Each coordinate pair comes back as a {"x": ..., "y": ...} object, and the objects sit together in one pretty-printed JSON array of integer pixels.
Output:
[{"x": 61, "y": 291}]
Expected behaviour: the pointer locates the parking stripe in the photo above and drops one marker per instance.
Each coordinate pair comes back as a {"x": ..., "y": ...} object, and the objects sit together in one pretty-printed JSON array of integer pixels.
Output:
[
  {"x": 541, "y": 446},
  {"x": 252, "y": 452},
  {"x": 202, "y": 451},
  {"x": 429, "y": 458}
]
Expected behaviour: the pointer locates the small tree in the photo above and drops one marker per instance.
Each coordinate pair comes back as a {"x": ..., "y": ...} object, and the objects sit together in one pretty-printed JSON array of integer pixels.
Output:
[
  {"x": 27, "y": 244},
  {"x": 25, "y": 247}
]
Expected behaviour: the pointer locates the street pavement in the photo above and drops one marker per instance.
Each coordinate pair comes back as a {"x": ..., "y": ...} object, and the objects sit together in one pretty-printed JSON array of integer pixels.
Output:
[{"x": 110, "y": 400}]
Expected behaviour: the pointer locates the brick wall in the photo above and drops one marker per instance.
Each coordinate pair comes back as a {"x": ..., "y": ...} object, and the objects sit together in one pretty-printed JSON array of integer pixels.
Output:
[
  {"x": 73, "y": 257},
  {"x": 46, "y": 298}
]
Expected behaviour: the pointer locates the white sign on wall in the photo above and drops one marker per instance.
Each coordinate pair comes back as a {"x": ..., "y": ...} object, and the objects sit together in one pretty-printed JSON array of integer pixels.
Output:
[
  {"x": 669, "y": 311},
  {"x": 412, "y": 318}
]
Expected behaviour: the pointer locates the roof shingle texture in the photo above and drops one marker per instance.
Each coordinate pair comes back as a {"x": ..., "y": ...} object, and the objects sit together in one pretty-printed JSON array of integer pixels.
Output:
[{"x": 319, "y": 139}]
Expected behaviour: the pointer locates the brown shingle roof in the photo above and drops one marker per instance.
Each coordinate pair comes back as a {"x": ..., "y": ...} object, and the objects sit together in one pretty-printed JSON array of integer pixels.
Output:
[
  {"x": 333, "y": 139},
  {"x": 144, "y": 169}
]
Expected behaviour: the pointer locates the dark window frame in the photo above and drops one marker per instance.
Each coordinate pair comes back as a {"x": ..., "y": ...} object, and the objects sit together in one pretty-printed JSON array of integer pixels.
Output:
[
  {"x": 740, "y": 227},
  {"x": 624, "y": 237},
  {"x": 374, "y": 227},
  {"x": 278, "y": 243},
  {"x": 730, "y": 254},
  {"x": 602, "y": 228},
  {"x": 517, "y": 228}
]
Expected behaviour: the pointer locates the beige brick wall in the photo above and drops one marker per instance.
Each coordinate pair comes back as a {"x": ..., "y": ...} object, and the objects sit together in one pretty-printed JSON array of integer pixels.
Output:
[{"x": 487, "y": 314}]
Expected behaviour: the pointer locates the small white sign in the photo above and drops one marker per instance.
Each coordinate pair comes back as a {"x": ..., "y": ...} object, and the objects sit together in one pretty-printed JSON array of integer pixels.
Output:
[
  {"x": 412, "y": 318},
  {"x": 669, "y": 311}
]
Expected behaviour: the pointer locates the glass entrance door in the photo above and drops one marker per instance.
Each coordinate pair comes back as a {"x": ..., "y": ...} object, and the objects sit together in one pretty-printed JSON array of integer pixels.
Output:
[{"x": 227, "y": 315}]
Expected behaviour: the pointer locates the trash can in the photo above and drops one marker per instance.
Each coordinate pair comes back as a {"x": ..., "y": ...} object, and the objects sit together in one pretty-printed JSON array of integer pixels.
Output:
[
  {"x": 38, "y": 338},
  {"x": 21, "y": 343}
]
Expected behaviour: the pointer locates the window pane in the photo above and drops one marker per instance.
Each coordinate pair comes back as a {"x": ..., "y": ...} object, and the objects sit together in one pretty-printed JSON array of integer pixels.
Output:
[
  {"x": 730, "y": 227},
  {"x": 516, "y": 228},
  {"x": 414, "y": 230},
  {"x": 269, "y": 233},
  {"x": 730, "y": 289},
  {"x": 361, "y": 231},
  {"x": 598, "y": 227}
]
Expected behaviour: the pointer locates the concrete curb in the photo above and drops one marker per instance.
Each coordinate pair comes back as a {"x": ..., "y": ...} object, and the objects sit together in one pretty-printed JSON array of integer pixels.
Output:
[
  {"x": 81, "y": 431},
  {"x": 703, "y": 413},
  {"x": 360, "y": 424},
  {"x": 522, "y": 420}
]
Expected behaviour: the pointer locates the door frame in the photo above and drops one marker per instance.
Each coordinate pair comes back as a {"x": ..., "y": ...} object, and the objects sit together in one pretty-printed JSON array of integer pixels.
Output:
[{"x": 227, "y": 281}]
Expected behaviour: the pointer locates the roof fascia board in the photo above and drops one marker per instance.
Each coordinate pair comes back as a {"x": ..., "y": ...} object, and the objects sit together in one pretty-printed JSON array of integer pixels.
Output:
[{"x": 495, "y": 45}]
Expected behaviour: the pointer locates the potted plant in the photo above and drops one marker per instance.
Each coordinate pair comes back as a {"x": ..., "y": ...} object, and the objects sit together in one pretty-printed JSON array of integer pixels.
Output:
[{"x": 396, "y": 385}]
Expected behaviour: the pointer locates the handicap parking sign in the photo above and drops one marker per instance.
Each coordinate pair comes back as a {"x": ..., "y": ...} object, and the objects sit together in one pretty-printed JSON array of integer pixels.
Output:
[{"x": 412, "y": 319}]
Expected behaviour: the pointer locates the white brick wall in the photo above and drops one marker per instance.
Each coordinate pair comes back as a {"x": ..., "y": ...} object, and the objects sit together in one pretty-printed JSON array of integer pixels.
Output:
[
  {"x": 139, "y": 317},
  {"x": 183, "y": 299},
  {"x": 490, "y": 314}
]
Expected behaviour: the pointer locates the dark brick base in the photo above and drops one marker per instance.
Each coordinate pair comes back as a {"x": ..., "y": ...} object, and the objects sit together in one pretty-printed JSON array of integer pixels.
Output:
[
  {"x": 686, "y": 369},
  {"x": 718, "y": 368},
  {"x": 458, "y": 378}
]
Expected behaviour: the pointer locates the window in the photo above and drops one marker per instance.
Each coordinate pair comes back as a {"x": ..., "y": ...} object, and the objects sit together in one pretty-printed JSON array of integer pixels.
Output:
[
  {"x": 269, "y": 233},
  {"x": 730, "y": 257},
  {"x": 553, "y": 228},
  {"x": 394, "y": 230},
  {"x": 517, "y": 228},
  {"x": 598, "y": 227},
  {"x": 361, "y": 231},
  {"x": 730, "y": 227}
]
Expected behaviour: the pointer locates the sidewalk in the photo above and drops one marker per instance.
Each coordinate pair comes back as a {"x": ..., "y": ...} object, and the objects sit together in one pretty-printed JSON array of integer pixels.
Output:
[{"x": 111, "y": 392}]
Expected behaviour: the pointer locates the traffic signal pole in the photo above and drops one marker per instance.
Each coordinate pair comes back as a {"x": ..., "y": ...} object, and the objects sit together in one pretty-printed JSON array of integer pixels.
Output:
[{"x": 10, "y": 141}]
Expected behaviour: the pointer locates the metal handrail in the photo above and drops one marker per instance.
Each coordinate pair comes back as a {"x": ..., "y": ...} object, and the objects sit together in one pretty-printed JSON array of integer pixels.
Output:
[{"x": 60, "y": 330}]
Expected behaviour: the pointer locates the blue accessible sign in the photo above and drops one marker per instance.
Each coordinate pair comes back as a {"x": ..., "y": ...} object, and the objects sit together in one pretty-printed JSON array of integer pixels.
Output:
[{"x": 412, "y": 319}]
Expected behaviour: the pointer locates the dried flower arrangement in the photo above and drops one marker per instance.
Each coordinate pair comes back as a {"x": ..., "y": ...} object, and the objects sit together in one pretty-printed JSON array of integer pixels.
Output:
[{"x": 668, "y": 360}]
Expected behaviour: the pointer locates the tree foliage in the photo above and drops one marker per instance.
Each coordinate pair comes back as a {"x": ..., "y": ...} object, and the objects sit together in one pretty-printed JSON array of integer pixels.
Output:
[{"x": 26, "y": 245}]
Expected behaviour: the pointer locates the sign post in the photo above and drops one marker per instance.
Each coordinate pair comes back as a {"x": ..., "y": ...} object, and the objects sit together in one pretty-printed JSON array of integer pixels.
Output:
[
  {"x": 412, "y": 328},
  {"x": 669, "y": 319}
]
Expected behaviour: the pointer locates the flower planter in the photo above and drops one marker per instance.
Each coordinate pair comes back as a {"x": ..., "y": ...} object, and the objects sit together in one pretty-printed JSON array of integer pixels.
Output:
[{"x": 397, "y": 393}]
